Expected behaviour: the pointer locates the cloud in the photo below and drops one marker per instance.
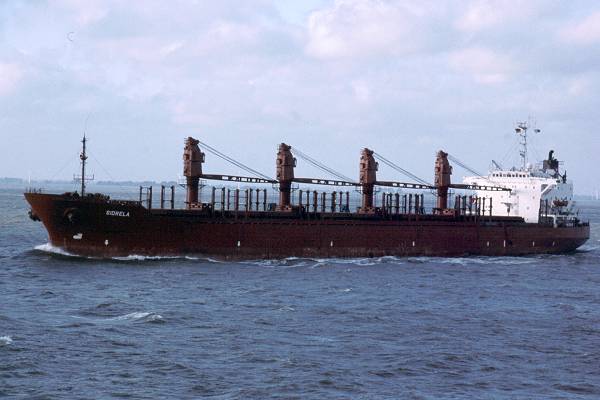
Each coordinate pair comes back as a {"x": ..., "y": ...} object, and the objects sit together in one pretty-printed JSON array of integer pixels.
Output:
[
  {"x": 357, "y": 28},
  {"x": 362, "y": 91},
  {"x": 351, "y": 73},
  {"x": 483, "y": 65},
  {"x": 486, "y": 14},
  {"x": 86, "y": 12},
  {"x": 479, "y": 15},
  {"x": 579, "y": 86},
  {"x": 583, "y": 32},
  {"x": 10, "y": 76}
]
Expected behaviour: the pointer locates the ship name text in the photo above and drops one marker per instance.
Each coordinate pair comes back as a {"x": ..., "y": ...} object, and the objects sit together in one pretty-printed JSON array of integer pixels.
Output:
[{"x": 114, "y": 213}]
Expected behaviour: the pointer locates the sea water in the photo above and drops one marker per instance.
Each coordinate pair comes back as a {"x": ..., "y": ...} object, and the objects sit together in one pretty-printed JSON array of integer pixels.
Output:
[{"x": 384, "y": 328}]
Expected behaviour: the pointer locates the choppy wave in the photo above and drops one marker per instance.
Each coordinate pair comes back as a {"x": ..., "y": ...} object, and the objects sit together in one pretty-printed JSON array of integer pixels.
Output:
[
  {"x": 474, "y": 260},
  {"x": 289, "y": 262},
  {"x": 295, "y": 262},
  {"x": 286, "y": 308},
  {"x": 139, "y": 316},
  {"x": 103, "y": 314},
  {"x": 5, "y": 340}
]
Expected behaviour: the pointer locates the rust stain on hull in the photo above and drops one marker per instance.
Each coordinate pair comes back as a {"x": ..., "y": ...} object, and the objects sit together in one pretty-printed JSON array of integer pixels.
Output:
[{"x": 99, "y": 227}]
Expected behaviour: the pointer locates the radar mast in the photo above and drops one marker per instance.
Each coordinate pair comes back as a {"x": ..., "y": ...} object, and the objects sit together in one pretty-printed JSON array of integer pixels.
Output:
[{"x": 521, "y": 130}]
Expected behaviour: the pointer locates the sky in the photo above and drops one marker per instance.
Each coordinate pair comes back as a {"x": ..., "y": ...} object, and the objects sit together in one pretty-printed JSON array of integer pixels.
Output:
[{"x": 405, "y": 78}]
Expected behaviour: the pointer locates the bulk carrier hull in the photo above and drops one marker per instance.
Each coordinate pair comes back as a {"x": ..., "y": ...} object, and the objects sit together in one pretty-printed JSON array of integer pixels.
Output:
[{"x": 95, "y": 226}]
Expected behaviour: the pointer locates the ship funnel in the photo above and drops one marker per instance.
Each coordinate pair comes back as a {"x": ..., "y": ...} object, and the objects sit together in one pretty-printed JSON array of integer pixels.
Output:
[
  {"x": 192, "y": 169},
  {"x": 442, "y": 172},
  {"x": 367, "y": 179},
  {"x": 285, "y": 175}
]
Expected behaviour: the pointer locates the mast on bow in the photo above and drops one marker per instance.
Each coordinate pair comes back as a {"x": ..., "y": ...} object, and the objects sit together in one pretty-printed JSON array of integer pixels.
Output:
[{"x": 83, "y": 157}]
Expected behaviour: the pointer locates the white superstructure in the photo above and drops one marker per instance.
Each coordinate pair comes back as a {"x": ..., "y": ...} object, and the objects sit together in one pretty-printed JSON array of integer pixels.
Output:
[{"x": 537, "y": 190}]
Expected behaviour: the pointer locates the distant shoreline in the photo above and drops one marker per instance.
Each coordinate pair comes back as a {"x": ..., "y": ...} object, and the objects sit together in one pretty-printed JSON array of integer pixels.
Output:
[{"x": 19, "y": 181}]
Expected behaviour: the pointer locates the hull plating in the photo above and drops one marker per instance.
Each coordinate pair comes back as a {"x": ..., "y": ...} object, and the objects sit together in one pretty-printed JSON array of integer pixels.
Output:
[{"x": 100, "y": 228}]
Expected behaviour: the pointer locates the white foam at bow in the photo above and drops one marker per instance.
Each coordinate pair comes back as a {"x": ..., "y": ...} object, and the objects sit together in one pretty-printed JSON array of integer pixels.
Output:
[
  {"x": 48, "y": 248},
  {"x": 589, "y": 247}
]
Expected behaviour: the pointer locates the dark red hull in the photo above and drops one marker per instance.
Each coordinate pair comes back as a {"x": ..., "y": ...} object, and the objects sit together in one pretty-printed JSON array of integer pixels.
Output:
[{"x": 104, "y": 228}]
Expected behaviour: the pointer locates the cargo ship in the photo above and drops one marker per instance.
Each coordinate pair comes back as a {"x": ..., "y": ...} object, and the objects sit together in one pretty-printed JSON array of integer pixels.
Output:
[{"x": 509, "y": 212}]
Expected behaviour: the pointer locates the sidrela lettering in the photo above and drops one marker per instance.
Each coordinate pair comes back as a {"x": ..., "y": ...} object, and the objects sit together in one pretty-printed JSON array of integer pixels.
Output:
[{"x": 114, "y": 213}]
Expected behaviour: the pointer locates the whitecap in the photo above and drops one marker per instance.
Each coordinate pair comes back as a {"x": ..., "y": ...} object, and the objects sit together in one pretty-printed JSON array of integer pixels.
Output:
[
  {"x": 5, "y": 340},
  {"x": 133, "y": 316},
  {"x": 138, "y": 316},
  {"x": 286, "y": 308},
  {"x": 323, "y": 339},
  {"x": 155, "y": 318}
]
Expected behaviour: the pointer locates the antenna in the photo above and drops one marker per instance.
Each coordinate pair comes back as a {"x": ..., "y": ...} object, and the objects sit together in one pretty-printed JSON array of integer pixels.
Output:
[{"x": 521, "y": 130}]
